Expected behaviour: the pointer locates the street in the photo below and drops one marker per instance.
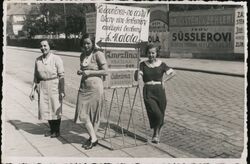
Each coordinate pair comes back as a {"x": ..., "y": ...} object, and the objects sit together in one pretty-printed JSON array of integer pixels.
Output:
[{"x": 204, "y": 115}]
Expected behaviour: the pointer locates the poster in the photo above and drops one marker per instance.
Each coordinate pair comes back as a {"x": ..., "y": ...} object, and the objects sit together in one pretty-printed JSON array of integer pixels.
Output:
[
  {"x": 159, "y": 28},
  {"x": 202, "y": 31}
]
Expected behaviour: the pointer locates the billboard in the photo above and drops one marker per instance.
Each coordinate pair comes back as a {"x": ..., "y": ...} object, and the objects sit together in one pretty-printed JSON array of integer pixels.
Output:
[
  {"x": 204, "y": 31},
  {"x": 159, "y": 29}
]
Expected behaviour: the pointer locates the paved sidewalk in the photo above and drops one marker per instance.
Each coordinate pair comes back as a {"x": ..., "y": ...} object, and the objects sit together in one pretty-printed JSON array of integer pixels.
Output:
[
  {"x": 23, "y": 132},
  {"x": 194, "y": 121},
  {"x": 231, "y": 68}
]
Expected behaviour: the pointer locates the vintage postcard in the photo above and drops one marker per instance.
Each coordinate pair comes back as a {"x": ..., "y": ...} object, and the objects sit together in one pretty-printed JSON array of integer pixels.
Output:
[{"x": 124, "y": 82}]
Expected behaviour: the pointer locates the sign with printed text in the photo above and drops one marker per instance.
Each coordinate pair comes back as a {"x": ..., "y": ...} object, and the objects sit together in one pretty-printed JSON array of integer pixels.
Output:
[
  {"x": 119, "y": 78},
  {"x": 121, "y": 26},
  {"x": 121, "y": 31},
  {"x": 91, "y": 22},
  {"x": 122, "y": 59},
  {"x": 239, "y": 31},
  {"x": 202, "y": 31}
]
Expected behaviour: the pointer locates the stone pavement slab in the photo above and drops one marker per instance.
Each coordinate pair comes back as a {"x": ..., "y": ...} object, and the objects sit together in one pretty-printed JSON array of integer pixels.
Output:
[
  {"x": 16, "y": 144},
  {"x": 151, "y": 153}
]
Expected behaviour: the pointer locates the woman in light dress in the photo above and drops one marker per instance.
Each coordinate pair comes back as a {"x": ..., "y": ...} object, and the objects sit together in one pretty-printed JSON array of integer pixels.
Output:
[
  {"x": 49, "y": 84},
  {"x": 93, "y": 68}
]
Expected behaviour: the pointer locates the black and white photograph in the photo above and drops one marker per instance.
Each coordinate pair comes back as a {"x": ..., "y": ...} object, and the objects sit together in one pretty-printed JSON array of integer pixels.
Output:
[{"x": 92, "y": 81}]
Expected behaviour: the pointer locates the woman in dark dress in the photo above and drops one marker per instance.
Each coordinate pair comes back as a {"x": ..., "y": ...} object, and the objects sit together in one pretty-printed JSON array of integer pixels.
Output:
[{"x": 152, "y": 72}]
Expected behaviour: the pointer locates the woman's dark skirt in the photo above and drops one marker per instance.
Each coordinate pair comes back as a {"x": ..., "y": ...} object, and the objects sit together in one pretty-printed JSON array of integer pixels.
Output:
[{"x": 155, "y": 102}]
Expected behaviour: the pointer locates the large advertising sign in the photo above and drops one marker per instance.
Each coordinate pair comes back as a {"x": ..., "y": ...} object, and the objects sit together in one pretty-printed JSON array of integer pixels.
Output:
[
  {"x": 158, "y": 28},
  {"x": 120, "y": 31},
  {"x": 117, "y": 25},
  {"x": 202, "y": 31},
  {"x": 239, "y": 31}
]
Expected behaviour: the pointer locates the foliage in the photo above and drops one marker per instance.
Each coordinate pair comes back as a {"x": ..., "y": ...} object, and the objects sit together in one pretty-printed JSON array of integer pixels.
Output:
[
  {"x": 57, "y": 18},
  {"x": 34, "y": 23},
  {"x": 69, "y": 18},
  {"x": 9, "y": 29}
]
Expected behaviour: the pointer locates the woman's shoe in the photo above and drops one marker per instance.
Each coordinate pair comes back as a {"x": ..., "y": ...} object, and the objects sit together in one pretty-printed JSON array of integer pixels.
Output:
[
  {"x": 55, "y": 135},
  {"x": 48, "y": 133},
  {"x": 84, "y": 144},
  {"x": 155, "y": 140},
  {"x": 90, "y": 145}
]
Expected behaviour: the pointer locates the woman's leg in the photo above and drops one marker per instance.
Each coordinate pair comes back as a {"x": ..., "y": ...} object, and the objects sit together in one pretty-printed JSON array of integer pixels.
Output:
[
  {"x": 50, "y": 125},
  {"x": 49, "y": 133},
  {"x": 156, "y": 131},
  {"x": 56, "y": 125},
  {"x": 91, "y": 131},
  {"x": 92, "y": 134},
  {"x": 96, "y": 126},
  {"x": 156, "y": 135}
]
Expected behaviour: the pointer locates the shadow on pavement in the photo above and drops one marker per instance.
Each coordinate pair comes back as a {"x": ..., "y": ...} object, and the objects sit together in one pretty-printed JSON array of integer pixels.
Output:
[
  {"x": 70, "y": 132},
  {"x": 36, "y": 129}
]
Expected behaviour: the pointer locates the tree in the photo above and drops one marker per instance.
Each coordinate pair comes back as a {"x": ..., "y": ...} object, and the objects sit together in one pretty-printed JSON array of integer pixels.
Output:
[
  {"x": 58, "y": 18},
  {"x": 9, "y": 29},
  {"x": 75, "y": 18},
  {"x": 35, "y": 23}
]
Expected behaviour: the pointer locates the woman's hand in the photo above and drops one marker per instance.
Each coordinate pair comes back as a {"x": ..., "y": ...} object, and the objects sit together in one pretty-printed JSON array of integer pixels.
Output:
[
  {"x": 61, "y": 96},
  {"x": 32, "y": 95},
  {"x": 86, "y": 72},
  {"x": 79, "y": 72}
]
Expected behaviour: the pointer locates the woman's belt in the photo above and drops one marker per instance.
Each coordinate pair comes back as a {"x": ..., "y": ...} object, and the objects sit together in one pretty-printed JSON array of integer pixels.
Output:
[
  {"x": 152, "y": 82},
  {"x": 47, "y": 79}
]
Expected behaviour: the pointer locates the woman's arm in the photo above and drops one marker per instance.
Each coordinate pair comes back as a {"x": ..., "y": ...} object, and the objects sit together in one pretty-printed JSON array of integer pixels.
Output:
[
  {"x": 138, "y": 76},
  {"x": 60, "y": 74},
  {"x": 34, "y": 85},
  {"x": 169, "y": 75},
  {"x": 102, "y": 65},
  {"x": 32, "y": 93},
  {"x": 102, "y": 72}
]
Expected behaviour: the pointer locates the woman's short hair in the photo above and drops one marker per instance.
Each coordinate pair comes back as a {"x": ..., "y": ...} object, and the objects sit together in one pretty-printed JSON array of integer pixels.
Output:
[
  {"x": 50, "y": 43},
  {"x": 85, "y": 36},
  {"x": 152, "y": 45}
]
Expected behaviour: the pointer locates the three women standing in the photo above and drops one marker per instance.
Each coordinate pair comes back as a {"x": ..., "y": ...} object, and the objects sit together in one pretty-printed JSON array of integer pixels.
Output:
[
  {"x": 152, "y": 72},
  {"x": 49, "y": 84},
  {"x": 93, "y": 68}
]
